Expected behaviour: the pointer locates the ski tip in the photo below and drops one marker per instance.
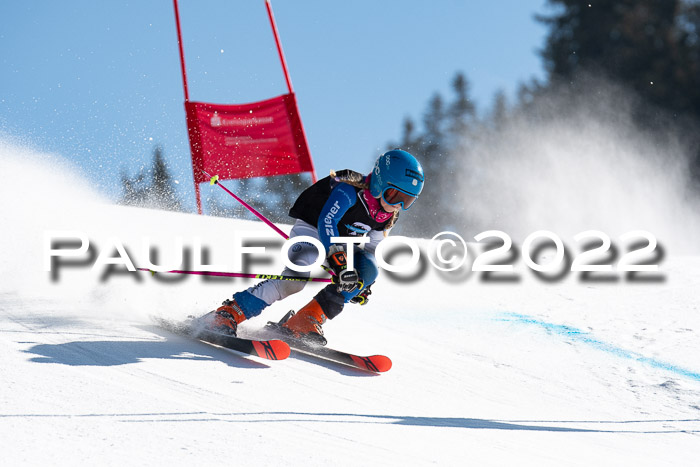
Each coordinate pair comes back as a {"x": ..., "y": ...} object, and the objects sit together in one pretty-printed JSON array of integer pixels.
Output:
[
  {"x": 272, "y": 350},
  {"x": 375, "y": 363}
]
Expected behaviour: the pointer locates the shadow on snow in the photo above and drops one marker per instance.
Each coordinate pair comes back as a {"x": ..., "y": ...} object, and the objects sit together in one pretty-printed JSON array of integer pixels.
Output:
[
  {"x": 121, "y": 352},
  {"x": 661, "y": 426},
  {"x": 459, "y": 422}
]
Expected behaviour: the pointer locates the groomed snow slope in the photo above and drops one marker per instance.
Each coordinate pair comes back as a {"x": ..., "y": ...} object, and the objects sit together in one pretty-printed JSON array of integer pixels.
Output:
[{"x": 525, "y": 373}]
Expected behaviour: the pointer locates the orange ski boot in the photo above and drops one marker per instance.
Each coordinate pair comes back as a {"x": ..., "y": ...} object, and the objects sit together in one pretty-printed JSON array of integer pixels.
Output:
[
  {"x": 306, "y": 324},
  {"x": 225, "y": 319}
]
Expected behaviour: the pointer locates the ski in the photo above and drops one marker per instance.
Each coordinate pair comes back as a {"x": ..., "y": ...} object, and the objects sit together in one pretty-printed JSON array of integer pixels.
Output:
[
  {"x": 273, "y": 349},
  {"x": 372, "y": 363}
]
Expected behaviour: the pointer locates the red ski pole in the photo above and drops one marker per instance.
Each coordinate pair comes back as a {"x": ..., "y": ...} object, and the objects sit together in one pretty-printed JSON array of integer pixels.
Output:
[
  {"x": 214, "y": 180},
  {"x": 241, "y": 274}
]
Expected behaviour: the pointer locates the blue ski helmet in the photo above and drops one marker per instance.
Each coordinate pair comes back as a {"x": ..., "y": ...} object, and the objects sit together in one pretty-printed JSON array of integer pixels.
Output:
[{"x": 397, "y": 177}]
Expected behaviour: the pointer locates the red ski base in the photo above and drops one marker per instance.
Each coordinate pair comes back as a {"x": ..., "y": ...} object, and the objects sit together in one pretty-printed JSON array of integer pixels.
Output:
[{"x": 378, "y": 363}]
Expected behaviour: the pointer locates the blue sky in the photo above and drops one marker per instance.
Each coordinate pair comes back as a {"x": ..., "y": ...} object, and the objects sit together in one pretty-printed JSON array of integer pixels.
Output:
[{"x": 99, "y": 82}]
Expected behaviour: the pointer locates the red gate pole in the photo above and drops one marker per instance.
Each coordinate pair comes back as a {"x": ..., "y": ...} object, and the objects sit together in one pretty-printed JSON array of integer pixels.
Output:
[
  {"x": 187, "y": 99},
  {"x": 279, "y": 45},
  {"x": 182, "y": 52},
  {"x": 289, "y": 81}
]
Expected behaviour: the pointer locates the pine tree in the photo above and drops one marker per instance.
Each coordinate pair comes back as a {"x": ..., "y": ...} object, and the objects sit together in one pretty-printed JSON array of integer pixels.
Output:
[
  {"x": 441, "y": 147},
  {"x": 432, "y": 156},
  {"x": 162, "y": 193},
  {"x": 159, "y": 193},
  {"x": 410, "y": 141},
  {"x": 649, "y": 45},
  {"x": 133, "y": 190},
  {"x": 461, "y": 111},
  {"x": 499, "y": 110}
]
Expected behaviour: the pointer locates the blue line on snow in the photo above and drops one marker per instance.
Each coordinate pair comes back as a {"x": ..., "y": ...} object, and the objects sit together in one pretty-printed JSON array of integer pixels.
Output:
[{"x": 587, "y": 338}]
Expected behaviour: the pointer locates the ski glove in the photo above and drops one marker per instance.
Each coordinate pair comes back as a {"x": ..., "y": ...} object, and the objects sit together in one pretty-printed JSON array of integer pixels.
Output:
[
  {"x": 363, "y": 297},
  {"x": 346, "y": 279}
]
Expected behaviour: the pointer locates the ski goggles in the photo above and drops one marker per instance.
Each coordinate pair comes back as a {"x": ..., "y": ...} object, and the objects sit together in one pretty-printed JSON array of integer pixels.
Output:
[{"x": 393, "y": 196}]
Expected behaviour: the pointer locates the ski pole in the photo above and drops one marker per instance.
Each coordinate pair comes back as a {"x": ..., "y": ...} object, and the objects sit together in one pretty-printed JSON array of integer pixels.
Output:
[
  {"x": 241, "y": 274},
  {"x": 214, "y": 180}
]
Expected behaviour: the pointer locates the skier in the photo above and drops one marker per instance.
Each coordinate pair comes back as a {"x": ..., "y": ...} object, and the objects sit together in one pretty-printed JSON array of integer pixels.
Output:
[{"x": 346, "y": 203}]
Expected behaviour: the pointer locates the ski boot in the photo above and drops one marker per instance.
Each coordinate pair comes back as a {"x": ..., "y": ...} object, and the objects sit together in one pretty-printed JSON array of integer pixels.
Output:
[
  {"x": 305, "y": 325},
  {"x": 225, "y": 319}
]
